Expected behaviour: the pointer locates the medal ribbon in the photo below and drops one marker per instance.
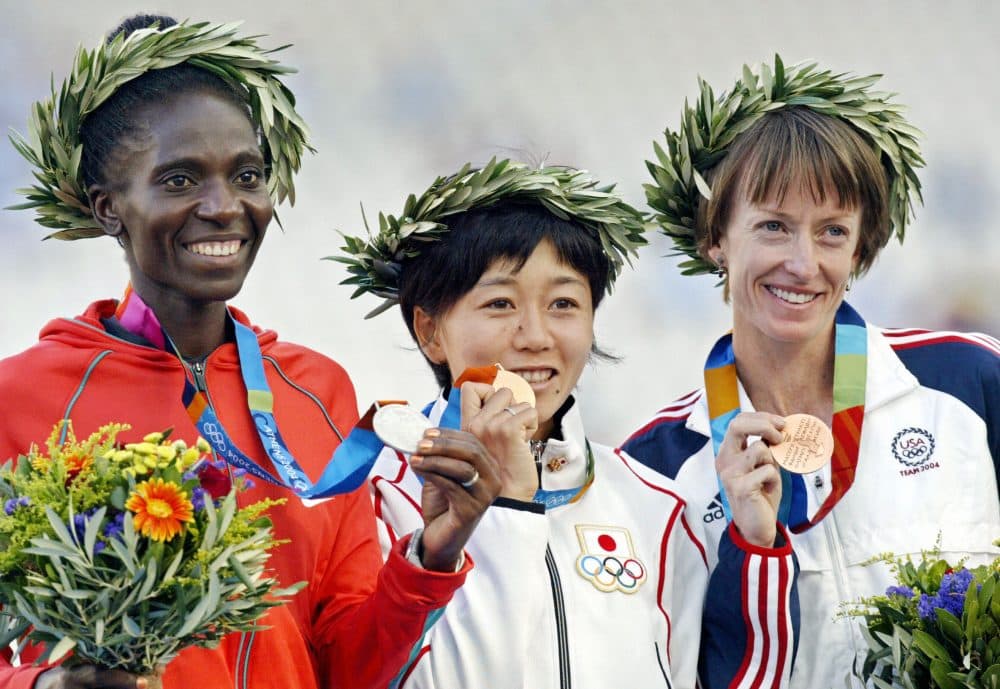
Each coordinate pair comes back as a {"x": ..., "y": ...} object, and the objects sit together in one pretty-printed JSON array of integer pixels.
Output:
[
  {"x": 346, "y": 469},
  {"x": 849, "y": 374}
]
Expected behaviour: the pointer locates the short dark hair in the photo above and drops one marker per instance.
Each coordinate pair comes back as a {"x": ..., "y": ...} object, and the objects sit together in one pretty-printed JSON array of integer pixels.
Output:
[
  {"x": 799, "y": 145},
  {"x": 103, "y": 130},
  {"x": 444, "y": 271}
]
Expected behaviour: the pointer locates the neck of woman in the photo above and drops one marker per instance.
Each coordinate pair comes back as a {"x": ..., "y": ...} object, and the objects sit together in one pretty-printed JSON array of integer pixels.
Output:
[
  {"x": 787, "y": 378},
  {"x": 196, "y": 329}
]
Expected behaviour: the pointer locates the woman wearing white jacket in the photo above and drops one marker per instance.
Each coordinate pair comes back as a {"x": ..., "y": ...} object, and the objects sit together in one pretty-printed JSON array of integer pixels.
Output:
[{"x": 589, "y": 570}]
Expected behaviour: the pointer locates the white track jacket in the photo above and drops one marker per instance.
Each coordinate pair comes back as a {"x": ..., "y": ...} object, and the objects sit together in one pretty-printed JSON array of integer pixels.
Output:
[
  {"x": 604, "y": 592},
  {"x": 926, "y": 469}
]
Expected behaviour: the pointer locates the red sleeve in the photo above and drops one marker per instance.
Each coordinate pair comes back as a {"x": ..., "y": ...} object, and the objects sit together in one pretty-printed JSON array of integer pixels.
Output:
[
  {"x": 368, "y": 618},
  {"x": 22, "y": 677}
]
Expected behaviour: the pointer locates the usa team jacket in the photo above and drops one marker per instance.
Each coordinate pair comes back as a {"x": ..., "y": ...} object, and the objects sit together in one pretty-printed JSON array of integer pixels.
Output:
[
  {"x": 603, "y": 592},
  {"x": 926, "y": 469},
  {"x": 356, "y": 622}
]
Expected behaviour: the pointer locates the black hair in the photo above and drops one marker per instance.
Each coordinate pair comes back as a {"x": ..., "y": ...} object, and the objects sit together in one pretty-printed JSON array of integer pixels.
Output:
[
  {"x": 117, "y": 118},
  {"x": 444, "y": 271}
]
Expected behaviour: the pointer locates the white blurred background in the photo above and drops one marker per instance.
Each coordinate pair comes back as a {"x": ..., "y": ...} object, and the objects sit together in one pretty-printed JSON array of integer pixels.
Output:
[{"x": 399, "y": 92}]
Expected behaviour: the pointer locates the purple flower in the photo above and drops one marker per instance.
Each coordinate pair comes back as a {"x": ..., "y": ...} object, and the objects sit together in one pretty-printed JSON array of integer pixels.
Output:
[
  {"x": 79, "y": 526},
  {"x": 11, "y": 505},
  {"x": 904, "y": 591},
  {"x": 115, "y": 527},
  {"x": 950, "y": 597},
  {"x": 198, "y": 498}
]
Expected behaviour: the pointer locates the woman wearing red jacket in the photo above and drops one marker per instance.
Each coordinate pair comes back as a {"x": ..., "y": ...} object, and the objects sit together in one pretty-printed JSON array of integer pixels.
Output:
[{"x": 182, "y": 168}]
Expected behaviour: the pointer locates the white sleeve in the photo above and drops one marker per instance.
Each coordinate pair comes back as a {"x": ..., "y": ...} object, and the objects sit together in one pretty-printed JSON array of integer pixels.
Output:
[{"x": 684, "y": 597}]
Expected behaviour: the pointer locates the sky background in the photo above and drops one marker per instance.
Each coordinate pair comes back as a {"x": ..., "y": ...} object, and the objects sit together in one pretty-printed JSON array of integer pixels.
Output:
[{"x": 398, "y": 93}]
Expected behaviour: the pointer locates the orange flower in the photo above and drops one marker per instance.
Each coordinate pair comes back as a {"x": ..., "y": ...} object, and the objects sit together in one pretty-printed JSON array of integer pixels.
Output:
[
  {"x": 160, "y": 508},
  {"x": 75, "y": 464}
]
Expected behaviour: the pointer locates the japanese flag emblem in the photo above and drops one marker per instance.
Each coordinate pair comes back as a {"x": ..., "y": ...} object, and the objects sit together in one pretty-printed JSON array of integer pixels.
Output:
[{"x": 607, "y": 559}]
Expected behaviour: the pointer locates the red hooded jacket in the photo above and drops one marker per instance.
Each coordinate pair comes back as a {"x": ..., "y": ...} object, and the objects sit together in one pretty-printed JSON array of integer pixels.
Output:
[{"x": 355, "y": 624}]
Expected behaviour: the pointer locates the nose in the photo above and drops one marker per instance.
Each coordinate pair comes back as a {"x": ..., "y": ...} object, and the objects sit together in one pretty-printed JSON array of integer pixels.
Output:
[
  {"x": 802, "y": 260},
  {"x": 533, "y": 331},
  {"x": 219, "y": 204}
]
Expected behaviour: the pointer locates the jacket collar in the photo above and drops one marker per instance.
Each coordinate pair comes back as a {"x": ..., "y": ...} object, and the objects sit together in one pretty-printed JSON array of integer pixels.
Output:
[{"x": 886, "y": 380}]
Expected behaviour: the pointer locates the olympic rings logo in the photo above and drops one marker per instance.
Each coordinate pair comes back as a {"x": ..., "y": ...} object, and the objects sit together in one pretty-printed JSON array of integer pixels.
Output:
[
  {"x": 609, "y": 573},
  {"x": 913, "y": 446}
]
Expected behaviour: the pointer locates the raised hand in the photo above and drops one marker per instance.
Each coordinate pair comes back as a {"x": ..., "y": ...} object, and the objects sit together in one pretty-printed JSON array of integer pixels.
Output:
[
  {"x": 461, "y": 480},
  {"x": 504, "y": 428},
  {"x": 749, "y": 475}
]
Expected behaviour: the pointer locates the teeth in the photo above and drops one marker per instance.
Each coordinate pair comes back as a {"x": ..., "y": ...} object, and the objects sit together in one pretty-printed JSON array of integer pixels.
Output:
[
  {"x": 215, "y": 248},
  {"x": 535, "y": 376},
  {"x": 793, "y": 297}
]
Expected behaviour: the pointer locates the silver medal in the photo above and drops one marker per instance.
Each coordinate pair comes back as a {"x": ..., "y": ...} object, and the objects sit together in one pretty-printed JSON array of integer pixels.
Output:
[{"x": 400, "y": 426}]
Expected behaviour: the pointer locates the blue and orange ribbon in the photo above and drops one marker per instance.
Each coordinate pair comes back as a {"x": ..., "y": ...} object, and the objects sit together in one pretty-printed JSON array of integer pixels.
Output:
[{"x": 850, "y": 366}]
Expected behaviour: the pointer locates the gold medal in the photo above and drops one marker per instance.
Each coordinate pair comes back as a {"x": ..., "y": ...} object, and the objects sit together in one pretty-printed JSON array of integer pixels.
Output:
[
  {"x": 806, "y": 445},
  {"x": 516, "y": 384}
]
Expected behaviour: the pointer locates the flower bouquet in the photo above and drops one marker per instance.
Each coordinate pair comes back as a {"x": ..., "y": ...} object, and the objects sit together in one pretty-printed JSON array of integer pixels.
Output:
[
  {"x": 939, "y": 627},
  {"x": 123, "y": 555}
]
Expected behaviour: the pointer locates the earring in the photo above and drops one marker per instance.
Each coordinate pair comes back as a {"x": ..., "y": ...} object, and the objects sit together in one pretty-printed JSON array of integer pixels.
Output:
[{"x": 720, "y": 266}]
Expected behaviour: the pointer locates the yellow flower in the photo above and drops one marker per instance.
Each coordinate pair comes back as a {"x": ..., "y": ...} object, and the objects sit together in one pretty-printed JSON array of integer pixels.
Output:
[
  {"x": 203, "y": 446},
  {"x": 160, "y": 509}
]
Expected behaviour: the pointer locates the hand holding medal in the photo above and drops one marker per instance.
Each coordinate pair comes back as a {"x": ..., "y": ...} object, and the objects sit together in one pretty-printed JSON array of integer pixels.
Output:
[{"x": 498, "y": 408}]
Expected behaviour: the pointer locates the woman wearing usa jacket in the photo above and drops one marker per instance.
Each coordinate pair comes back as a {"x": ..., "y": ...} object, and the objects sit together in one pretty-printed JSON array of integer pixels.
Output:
[{"x": 790, "y": 199}]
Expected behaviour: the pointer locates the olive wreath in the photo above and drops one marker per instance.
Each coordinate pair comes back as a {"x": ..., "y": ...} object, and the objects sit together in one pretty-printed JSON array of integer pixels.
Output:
[
  {"x": 710, "y": 126},
  {"x": 53, "y": 143},
  {"x": 375, "y": 263}
]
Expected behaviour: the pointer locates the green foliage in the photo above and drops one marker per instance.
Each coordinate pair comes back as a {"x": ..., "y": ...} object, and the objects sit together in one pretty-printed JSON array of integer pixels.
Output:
[
  {"x": 709, "y": 127},
  {"x": 53, "y": 143},
  {"x": 81, "y": 573},
  {"x": 375, "y": 262},
  {"x": 917, "y": 642}
]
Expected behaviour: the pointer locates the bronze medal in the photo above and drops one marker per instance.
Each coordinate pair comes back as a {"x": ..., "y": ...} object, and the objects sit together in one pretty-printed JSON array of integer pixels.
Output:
[
  {"x": 516, "y": 384},
  {"x": 806, "y": 446}
]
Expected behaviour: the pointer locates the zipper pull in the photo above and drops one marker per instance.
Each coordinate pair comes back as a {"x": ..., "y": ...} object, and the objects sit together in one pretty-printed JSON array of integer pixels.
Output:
[
  {"x": 198, "y": 369},
  {"x": 537, "y": 450}
]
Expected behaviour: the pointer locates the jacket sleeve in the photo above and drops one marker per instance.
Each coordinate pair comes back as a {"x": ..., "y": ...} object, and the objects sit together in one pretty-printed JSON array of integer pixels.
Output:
[
  {"x": 370, "y": 619},
  {"x": 21, "y": 677},
  {"x": 484, "y": 637},
  {"x": 683, "y": 594},
  {"x": 751, "y": 617}
]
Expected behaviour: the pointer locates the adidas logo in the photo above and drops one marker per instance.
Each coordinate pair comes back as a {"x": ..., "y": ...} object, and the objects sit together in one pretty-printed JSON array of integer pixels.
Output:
[{"x": 714, "y": 510}]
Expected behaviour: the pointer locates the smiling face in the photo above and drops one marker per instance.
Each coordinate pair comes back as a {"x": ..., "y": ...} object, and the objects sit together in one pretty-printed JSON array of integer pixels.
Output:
[
  {"x": 188, "y": 199},
  {"x": 788, "y": 264},
  {"x": 536, "y": 320}
]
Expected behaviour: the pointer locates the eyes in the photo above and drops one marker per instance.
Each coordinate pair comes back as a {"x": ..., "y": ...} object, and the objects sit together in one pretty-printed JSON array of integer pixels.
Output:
[
  {"x": 834, "y": 232},
  {"x": 247, "y": 178},
  {"x": 558, "y": 304}
]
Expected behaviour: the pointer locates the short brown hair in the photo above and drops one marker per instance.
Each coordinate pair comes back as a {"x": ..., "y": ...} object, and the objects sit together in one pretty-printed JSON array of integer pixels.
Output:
[{"x": 796, "y": 144}]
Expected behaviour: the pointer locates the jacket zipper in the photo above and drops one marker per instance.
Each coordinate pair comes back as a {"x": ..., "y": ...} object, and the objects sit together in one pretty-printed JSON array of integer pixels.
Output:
[
  {"x": 839, "y": 570},
  {"x": 246, "y": 640},
  {"x": 562, "y": 635},
  {"x": 198, "y": 369}
]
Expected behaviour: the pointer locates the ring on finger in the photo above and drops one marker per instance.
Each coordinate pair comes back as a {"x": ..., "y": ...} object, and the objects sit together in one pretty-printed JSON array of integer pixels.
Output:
[
  {"x": 472, "y": 481},
  {"x": 510, "y": 410}
]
